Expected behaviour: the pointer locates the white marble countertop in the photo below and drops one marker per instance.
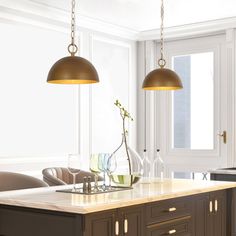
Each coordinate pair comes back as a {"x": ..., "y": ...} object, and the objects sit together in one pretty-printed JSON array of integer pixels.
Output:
[{"x": 48, "y": 199}]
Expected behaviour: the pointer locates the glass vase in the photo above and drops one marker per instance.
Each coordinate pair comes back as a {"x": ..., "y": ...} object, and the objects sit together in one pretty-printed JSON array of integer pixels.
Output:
[{"x": 129, "y": 168}]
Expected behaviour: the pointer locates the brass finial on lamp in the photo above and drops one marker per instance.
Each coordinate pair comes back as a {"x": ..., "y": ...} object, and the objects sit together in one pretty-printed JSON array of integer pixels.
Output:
[
  {"x": 73, "y": 69},
  {"x": 162, "y": 78}
]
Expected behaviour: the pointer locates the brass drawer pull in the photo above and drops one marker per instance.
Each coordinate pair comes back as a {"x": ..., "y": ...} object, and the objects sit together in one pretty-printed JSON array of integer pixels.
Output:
[
  {"x": 210, "y": 206},
  {"x": 117, "y": 228},
  {"x": 171, "y": 209},
  {"x": 126, "y": 226},
  {"x": 216, "y": 205},
  {"x": 173, "y": 231}
]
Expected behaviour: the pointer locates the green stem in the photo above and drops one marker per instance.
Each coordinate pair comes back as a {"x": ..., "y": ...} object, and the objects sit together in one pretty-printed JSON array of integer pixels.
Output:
[{"x": 126, "y": 148}]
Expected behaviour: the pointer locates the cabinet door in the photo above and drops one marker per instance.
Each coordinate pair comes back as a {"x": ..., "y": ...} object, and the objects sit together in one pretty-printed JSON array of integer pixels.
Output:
[
  {"x": 100, "y": 224},
  {"x": 131, "y": 221},
  {"x": 16, "y": 221},
  {"x": 219, "y": 213},
  {"x": 202, "y": 212},
  {"x": 231, "y": 212},
  {"x": 210, "y": 214}
]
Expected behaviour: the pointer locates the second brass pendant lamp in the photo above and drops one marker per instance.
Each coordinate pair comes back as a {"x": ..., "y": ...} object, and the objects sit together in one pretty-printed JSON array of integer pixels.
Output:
[
  {"x": 162, "y": 78},
  {"x": 73, "y": 69}
]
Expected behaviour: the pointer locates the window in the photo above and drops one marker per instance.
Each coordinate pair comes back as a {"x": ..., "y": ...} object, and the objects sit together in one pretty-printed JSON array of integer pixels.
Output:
[
  {"x": 191, "y": 118},
  {"x": 193, "y": 107}
]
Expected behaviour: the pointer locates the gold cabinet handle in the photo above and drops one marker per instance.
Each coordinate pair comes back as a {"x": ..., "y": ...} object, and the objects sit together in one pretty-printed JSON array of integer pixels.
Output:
[
  {"x": 117, "y": 228},
  {"x": 224, "y": 136},
  {"x": 216, "y": 205},
  {"x": 171, "y": 209},
  {"x": 173, "y": 231},
  {"x": 210, "y": 206},
  {"x": 126, "y": 226}
]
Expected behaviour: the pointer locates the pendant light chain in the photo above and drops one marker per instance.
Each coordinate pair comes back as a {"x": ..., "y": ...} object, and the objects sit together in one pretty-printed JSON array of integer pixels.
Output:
[
  {"x": 162, "y": 78},
  {"x": 73, "y": 22},
  {"x": 72, "y": 48},
  {"x": 72, "y": 69},
  {"x": 161, "y": 61}
]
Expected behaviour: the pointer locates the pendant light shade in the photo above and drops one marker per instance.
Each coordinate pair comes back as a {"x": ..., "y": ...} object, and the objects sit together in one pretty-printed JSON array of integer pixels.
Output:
[
  {"x": 162, "y": 79},
  {"x": 72, "y": 70}
]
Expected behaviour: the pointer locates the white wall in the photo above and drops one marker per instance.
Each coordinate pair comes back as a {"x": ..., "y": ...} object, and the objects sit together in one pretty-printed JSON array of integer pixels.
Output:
[
  {"x": 41, "y": 123},
  {"x": 115, "y": 61}
]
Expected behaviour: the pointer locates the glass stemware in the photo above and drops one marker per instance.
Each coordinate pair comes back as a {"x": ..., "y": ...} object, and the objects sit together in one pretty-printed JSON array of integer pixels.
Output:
[
  {"x": 93, "y": 166},
  {"x": 74, "y": 166},
  {"x": 102, "y": 166},
  {"x": 111, "y": 167}
]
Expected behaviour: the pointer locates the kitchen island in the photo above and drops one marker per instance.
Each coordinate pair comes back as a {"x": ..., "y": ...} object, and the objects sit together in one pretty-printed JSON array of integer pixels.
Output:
[{"x": 174, "y": 207}]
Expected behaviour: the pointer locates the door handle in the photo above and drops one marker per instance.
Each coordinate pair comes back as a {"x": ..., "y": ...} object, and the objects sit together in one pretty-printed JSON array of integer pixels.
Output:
[
  {"x": 210, "y": 206},
  {"x": 126, "y": 225},
  {"x": 117, "y": 228},
  {"x": 216, "y": 205},
  {"x": 224, "y": 136}
]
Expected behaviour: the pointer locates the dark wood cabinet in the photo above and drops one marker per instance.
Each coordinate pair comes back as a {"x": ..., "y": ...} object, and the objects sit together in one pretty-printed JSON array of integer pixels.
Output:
[
  {"x": 201, "y": 214},
  {"x": 206, "y": 214},
  {"x": 216, "y": 220},
  {"x": 131, "y": 220},
  {"x": 197, "y": 215},
  {"x": 101, "y": 223},
  {"x": 126, "y": 221},
  {"x": 18, "y": 221},
  {"x": 210, "y": 214},
  {"x": 179, "y": 227},
  {"x": 170, "y": 217},
  {"x": 231, "y": 212}
]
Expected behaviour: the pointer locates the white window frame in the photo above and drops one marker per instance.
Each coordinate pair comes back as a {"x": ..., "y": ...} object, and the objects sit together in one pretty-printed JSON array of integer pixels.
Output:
[{"x": 187, "y": 158}]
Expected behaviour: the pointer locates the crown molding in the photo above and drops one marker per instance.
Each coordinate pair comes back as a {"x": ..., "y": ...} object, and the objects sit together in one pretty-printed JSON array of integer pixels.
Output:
[
  {"x": 191, "y": 30},
  {"x": 43, "y": 15}
]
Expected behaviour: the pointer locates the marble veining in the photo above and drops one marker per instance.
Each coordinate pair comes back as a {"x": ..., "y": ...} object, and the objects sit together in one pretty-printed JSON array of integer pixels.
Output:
[{"x": 49, "y": 199}]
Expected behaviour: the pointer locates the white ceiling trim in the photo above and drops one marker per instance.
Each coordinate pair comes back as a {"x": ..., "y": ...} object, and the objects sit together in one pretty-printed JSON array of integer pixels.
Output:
[
  {"x": 191, "y": 30},
  {"x": 32, "y": 12},
  {"x": 48, "y": 17}
]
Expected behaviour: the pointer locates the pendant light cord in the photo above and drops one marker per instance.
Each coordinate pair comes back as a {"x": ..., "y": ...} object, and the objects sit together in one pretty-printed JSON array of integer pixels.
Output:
[
  {"x": 161, "y": 61},
  {"x": 72, "y": 48}
]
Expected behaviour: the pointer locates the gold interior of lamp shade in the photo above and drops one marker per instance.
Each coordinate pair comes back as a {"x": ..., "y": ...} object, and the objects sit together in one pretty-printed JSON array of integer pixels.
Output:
[
  {"x": 162, "y": 79},
  {"x": 73, "y": 70}
]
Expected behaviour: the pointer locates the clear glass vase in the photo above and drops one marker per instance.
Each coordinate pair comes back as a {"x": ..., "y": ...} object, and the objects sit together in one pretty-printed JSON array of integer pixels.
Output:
[{"x": 129, "y": 168}]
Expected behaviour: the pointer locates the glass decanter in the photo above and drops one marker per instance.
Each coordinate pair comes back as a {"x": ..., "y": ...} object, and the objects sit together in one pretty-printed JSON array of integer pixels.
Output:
[{"x": 129, "y": 167}]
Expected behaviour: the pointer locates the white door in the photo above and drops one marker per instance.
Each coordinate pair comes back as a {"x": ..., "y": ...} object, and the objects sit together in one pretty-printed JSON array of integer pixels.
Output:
[{"x": 194, "y": 119}]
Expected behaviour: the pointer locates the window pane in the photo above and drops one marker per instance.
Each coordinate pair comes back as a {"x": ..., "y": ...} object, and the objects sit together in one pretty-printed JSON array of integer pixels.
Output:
[{"x": 192, "y": 119}]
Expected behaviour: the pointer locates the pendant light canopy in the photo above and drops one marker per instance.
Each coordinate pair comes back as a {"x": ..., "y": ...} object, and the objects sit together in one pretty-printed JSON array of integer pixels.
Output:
[
  {"x": 73, "y": 69},
  {"x": 162, "y": 78}
]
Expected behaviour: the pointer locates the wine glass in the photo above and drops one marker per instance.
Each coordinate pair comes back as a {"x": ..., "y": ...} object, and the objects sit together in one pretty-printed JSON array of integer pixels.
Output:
[
  {"x": 74, "y": 165},
  {"x": 111, "y": 167},
  {"x": 102, "y": 166},
  {"x": 93, "y": 166}
]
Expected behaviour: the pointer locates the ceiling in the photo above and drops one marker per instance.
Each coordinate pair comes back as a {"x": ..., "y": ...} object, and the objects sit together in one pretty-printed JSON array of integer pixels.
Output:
[{"x": 142, "y": 15}]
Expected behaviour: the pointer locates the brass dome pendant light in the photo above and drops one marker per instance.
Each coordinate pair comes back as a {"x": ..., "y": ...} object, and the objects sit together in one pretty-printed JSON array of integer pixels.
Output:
[
  {"x": 73, "y": 69},
  {"x": 162, "y": 78}
]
